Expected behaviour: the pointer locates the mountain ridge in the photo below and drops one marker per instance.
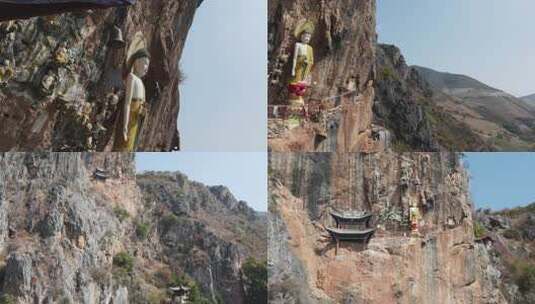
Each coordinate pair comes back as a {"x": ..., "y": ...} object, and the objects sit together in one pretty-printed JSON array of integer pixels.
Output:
[{"x": 429, "y": 110}]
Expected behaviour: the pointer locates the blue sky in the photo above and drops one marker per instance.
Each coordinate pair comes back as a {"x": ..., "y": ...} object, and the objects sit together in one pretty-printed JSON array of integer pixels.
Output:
[
  {"x": 490, "y": 40},
  {"x": 224, "y": 96},
  {"x": 244, "y": 173},
  {"x": 501, "y": 180}
]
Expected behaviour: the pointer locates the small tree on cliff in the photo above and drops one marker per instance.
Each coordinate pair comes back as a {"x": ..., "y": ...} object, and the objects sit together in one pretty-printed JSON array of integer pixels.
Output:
[{"x": 254, "y": 275}]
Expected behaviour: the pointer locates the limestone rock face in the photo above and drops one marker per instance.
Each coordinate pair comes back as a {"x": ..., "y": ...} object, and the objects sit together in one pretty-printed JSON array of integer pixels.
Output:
[
  {"x": 344, "y": 54},
  {"x": 439, "y": 266},
  {"x": 210, "y": 239},
  {"x": 418, "y": 115},
  {"x": 62, "y": 85},
  {"x": 72, "y": 223}
]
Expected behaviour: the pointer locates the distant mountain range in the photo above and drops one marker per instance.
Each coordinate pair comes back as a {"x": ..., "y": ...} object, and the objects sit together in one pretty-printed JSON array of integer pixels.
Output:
[
  {"x": 530, "y": 99},
  {"x": 504, "y": 121},
  {"x": 461, "y": 113}
]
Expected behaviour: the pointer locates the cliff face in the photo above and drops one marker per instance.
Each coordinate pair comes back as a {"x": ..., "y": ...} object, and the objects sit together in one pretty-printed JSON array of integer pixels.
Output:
[
  {"x": 419, "y": 117},
  {"x": 58, "y": 229},
  {"x": 67, "y": 236},
  {"x": 344, "y": 55},
  {"x": 507, "y": 246},
  {"x": 439, "y": 266},
  {"x": 206, "y": 232},
  {"x": 59, "y": 74}
]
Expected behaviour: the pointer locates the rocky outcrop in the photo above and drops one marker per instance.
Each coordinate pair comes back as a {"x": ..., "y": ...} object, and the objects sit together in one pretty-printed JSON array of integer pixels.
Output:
[
  {"x": 438, "y": 265},
  {"x": 418, "y": 116},
  {"x": 62, "y": 81},
  {"x": 81, "y": 228},
  {"x": 506, "y": 246},
  {"x": 344, "y": 69},
  {"x": 206, "y": 231}
]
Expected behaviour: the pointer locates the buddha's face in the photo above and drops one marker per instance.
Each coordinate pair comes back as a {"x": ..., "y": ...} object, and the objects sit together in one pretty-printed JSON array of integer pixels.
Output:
[
  {"x": 305, "y": 38},
  {"x": 141, "y": 66}
]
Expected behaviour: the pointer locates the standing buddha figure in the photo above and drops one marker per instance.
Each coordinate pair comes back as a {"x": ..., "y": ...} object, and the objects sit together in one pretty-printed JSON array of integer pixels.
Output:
[
  {"x": 134, "y": 104},
  {"x": 303, "y": 61},
  {"x": 414, "y": 216}
]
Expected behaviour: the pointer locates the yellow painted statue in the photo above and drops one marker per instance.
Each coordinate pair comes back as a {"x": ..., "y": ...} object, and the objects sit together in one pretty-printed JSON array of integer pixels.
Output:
[
  {"x": 414, "y": 216},
  {"x": 134, "y": 104},
  {"x": 303, "y": 61}
]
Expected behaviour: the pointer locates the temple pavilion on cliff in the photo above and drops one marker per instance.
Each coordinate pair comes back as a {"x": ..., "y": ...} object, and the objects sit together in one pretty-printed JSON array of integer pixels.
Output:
[{"x": 351, "y": 227}]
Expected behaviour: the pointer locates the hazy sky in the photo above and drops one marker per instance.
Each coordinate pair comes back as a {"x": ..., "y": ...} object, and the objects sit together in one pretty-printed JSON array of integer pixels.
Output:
[
  {"x": 244, "y": 173},
  {"x": 224, "y": 96},
  {"x": 490, "y": 40},
  {"x": 502, "y": 180}
]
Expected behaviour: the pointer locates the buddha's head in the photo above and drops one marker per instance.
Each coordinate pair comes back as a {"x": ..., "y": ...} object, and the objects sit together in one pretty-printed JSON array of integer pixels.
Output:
[
  {"x": 306, "y": 37},
  {"x": 141, "y": 66},
  {"x": 139, "y": 63}
]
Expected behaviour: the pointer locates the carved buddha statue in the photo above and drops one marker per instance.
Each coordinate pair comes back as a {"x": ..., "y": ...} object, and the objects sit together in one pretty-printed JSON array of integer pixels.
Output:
[
  {"x": 303, "y": 61},
  {"x": 134, "y": 104}
]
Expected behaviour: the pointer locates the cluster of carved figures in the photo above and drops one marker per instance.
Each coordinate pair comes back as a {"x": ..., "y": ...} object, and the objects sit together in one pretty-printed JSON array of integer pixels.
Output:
[
  {"x": 417, "y": 198},
  {"x": 53, "y": 68}
]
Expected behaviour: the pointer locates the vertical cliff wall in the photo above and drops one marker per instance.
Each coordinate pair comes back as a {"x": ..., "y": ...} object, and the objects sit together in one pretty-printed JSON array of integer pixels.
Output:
[
  {"x": 70, "y": 236},
  {"x": 344, "y": 54},
  {"x": 438, "y": 266},
  {"x": 58, "y": 229},
  {"x": 59, "y": 74}
]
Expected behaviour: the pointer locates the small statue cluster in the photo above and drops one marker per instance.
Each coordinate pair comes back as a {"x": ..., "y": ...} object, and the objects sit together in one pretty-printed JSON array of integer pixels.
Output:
[
  {"x": 277, "y": 68},
  {"x": 48, "y": 83},
  {"x": 455, "y": 180},
  {"x": 63, "y": 57},
  {"x": 406, "y": 173},
  {"x": 6, "y": 72}
]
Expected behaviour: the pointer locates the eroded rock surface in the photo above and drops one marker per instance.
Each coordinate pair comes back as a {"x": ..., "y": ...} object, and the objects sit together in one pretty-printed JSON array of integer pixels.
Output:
[
  {"x": 344, "y": 70},
  {"x": 59, "y": 73},
  {"x": 440, "y": 265},
  {"x": 81, "y": 228}
]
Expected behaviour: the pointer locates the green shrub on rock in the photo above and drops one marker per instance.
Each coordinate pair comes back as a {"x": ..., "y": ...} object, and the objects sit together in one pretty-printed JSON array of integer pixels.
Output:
[
  {"x": 121, "y": 214},
  {"x": 479, "y": 230},
  {"x": 124, "y": 261},
  {"x": 142, "y": 230},
  {"x": 7, "y": 299},
  {"x": 255, "y": 280}
]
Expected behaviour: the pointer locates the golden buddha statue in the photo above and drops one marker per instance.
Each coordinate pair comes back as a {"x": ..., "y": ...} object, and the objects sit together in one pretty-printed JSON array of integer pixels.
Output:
[
  {"x": 133, "y": 110},
  {"x": 303, "y": 60}
]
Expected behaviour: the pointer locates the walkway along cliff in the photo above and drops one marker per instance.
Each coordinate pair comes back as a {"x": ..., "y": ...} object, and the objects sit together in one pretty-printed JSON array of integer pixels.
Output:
[
  {"x": 339, "y": 94},
  {"x": 423, "y": 249},
  {"x": 82, "y": 228},
  {"x": 62, "y": 76}
]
